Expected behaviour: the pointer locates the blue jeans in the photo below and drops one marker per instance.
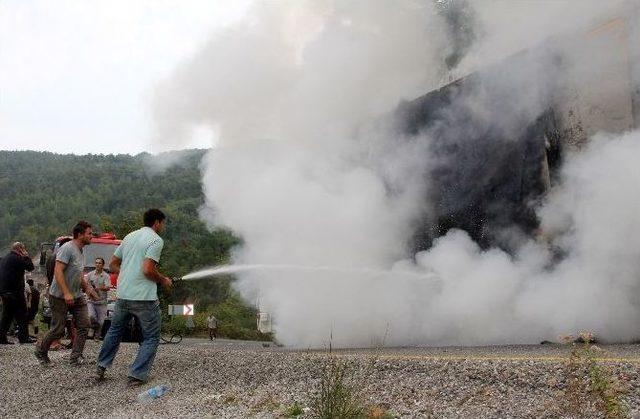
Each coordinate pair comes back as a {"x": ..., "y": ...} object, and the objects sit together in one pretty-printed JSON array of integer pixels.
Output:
[{"x": 148, "y": 315}]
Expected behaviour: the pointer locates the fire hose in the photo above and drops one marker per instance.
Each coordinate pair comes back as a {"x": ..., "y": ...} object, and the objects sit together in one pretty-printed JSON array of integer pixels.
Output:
[{"x": 172, "y": 338}]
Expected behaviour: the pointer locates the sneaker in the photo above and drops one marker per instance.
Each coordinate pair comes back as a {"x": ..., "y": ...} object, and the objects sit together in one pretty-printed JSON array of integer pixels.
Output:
[
  {"x": 77, "y": 361},
  {"x": 100, "y": 372},
  {"x": 134, "y": 382},
  {"x": 42, "y": 357}
]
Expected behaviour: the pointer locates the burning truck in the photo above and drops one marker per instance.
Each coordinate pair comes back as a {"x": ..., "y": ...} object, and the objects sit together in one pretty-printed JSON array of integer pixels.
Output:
[{"x": 498, "y": 135}]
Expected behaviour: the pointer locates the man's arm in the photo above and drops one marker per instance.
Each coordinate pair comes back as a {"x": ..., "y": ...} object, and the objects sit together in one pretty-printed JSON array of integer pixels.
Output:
[
  {"x": 28, "y": 263},
  {"x": 58, "y": 275},
  {"x": 25, "y": 261},
  {"x": 88, "y": 289},
  {"x": 150, "y": 270},
  {"x": 106, "y": 283},
  {"x": 114, "y": 265}
]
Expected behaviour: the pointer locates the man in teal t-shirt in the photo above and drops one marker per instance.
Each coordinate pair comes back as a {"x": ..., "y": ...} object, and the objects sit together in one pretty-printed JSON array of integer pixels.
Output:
[{"x": 136, "y": 261}]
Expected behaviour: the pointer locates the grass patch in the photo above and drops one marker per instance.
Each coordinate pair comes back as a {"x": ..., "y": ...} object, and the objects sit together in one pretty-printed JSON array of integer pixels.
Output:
[
  {"x": 294, "y": 410},
  {"x": 336, "y": 398},
  {"x": 609, "y": 391},
  {"x": 590, "y": 383}
]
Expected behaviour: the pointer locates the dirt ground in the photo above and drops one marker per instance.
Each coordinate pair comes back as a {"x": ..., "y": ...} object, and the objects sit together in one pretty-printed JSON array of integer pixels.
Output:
[{"x": 252, "y": 379}]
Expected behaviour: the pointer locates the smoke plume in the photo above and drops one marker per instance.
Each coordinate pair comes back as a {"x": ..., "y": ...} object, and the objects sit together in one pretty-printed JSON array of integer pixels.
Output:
[{"x": 310, "y": 168}]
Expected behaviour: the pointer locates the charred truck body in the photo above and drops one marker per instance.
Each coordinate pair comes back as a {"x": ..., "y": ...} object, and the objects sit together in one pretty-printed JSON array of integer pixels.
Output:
[{"x": 498, "y": 136}]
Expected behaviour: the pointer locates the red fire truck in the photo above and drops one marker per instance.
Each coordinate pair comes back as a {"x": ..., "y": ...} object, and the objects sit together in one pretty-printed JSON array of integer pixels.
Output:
[{"x": 102, "y": 246}]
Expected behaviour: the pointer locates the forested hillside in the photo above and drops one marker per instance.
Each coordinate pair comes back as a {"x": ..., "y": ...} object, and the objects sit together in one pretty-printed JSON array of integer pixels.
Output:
[{"x": 42, "y": 195}]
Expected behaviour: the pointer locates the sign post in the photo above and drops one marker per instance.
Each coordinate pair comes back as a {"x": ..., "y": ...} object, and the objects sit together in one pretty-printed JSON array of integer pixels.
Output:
[{"x": 181, "y": 310}]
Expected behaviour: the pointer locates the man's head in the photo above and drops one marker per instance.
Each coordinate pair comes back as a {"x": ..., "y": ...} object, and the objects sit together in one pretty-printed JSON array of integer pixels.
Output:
[
  {"x": 82, "y": 232},
  {"x": 99, "y": 263},
  {"x": 19, "y": 249},
  {"x": 155, "y": 219}
]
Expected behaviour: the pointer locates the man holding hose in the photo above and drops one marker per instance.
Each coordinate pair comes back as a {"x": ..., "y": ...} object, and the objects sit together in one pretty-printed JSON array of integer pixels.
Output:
[{"x": 136, "y": 260}]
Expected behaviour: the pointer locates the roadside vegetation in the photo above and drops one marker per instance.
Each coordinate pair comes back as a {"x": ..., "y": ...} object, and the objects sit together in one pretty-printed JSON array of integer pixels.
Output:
[
  {"x": 236, "y": 320},
  {"x": 338, "y": 394},
  {"x": 592, "y": 383}
]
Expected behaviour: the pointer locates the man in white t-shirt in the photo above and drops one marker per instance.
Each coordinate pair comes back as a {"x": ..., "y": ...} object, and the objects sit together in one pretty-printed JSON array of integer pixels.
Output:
[
  {"x": 212, "y": 325},
  {"x": 101, "y": 283}
]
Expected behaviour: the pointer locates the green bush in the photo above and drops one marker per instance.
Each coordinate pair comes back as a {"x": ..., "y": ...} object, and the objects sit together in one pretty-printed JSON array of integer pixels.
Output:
[
  {"x": 176, "y": 325},
  {"x": 336, "y": 398}
]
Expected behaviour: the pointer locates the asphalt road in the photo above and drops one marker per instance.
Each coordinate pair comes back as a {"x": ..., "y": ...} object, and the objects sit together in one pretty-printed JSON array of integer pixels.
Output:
[{"x": 629, "y": 353}]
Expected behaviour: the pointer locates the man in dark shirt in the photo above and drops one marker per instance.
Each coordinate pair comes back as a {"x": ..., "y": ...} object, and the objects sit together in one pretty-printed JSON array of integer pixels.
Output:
[{"x": 14, "y": 305}]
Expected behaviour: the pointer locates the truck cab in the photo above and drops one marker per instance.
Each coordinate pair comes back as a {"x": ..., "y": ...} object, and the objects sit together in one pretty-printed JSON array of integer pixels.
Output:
[{"x": 102, "y": 246}]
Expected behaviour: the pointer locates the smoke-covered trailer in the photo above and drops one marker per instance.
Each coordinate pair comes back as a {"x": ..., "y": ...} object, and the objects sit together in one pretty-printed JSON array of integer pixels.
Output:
[{"x": 497, "y": 136}]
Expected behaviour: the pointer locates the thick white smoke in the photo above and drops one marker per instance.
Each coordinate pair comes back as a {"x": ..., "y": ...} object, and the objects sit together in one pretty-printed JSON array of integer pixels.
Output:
[
  {"x": 489, "y": 296},
  {"x": 309, "y": 170}
]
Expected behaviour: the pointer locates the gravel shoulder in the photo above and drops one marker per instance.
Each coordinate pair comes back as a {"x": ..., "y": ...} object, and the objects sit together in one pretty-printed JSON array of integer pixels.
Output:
[{"x": 228, "y": 379}]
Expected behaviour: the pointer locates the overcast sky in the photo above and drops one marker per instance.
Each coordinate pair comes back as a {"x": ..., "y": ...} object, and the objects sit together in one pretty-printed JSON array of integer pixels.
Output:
[{"x": 76, "y": 76}]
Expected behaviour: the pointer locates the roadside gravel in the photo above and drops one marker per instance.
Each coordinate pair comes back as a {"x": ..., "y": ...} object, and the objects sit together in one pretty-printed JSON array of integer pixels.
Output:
[{"x": 234, "y": 382}]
